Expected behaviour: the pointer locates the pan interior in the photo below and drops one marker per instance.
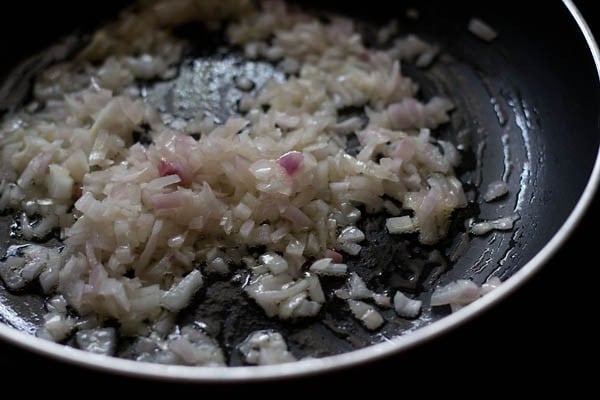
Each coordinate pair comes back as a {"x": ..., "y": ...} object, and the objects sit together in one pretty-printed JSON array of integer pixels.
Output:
[{"x": 528, "y": 108}]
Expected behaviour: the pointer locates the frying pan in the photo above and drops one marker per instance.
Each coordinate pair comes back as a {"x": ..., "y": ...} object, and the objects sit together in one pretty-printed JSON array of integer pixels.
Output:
[{"x": 530, "y": 101}]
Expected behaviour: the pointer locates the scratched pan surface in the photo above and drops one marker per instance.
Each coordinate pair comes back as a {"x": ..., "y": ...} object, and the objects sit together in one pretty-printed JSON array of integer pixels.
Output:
[{"x": 529, "y": 101}]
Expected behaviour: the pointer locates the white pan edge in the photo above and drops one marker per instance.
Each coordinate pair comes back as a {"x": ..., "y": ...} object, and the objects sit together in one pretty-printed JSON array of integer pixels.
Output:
[{"x": 327, "y": 364}]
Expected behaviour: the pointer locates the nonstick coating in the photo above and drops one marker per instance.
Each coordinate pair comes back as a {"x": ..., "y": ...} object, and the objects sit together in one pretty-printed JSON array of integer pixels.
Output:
[{"x": 530, "y": 100}]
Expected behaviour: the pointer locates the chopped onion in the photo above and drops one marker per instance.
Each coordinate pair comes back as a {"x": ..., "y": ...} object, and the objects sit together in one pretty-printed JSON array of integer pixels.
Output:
[
  {"x": 291, "y": 161},
  {"x": 295, "y": 215},
  {"x": 265, "y": 347},
  {"x": 482, "y": 30},
  {"x": 57, "y": 327},
  {"x": 244, "y": 83},
  {"x": 315, "y": 291},
  {"x": 495, "y": 190},
  {"x": 367, "y": 314},
  {"x": 425, "y": 59},
  {"x": 357, "y": 289},
  {"x": 382, "y": 300},
  {"x": 325, "y": 266},
  {"x": 351, "y": 248},
  {"x": 405, "y": 306},
  {"x": 270, "y": 292},
  {"x": 460, "y": 292},
  {"x": 274, "y": 192},
  {"x": 180, "y": 295},
  {"x": 99, "y": 341},
  {"x": 398, "y": 225},
  {"x": 217, "y": 265},
  {"x": 274, "y": 262},
  {"x": 59, "y": 182},
  {"x": 411, "y": 114},
  {"x": 351, "y": 234},
  {"x": 491, "y": 284},
  {"x": 166, "y": 168},
  {"x": 500, "y": 224},
  {"x": 334, "y": 255},
  {"x": 10, "y": 272},
  {"x": 194, "y": 347}
]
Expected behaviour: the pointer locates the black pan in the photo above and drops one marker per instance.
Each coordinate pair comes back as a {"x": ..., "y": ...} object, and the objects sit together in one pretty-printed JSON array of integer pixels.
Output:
[{"x": 530, "y": 100}]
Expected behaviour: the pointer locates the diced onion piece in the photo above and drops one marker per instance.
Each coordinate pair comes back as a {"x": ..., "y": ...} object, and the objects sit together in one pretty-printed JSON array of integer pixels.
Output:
[
  {"x": 295, "y": 215},
  {"x": 180, "y": 295},
  {"x": 334, "y": 255},
  {"x": 291, "y": 161},
  {"x": 269, "y": 291},
  {"x": 288, "y": 307},
  {"x": 274, "y": 262},
  {"x": 351, "y": 248},
  {"x": 60, "y": 183},
  {"x": 265, "y": 347},
  {"x": 98, "y": 341},
  {"x": 356, "y": 288},
  {"x": 495, "y": 190},
  {"x": 57, "y": 327},
  {"x": 405, "y": 306},
  {"x": 500, "y": 224},
  {"x": 175, "y": 167},
  {"x": 242, "y": 211},
  {"x": 351, "y": 234},
  {"x": 194, "y": 347},
  {"x": 217, "y": 265},
  {"x": 77, "y": 164},
  {"x": 315, "y": 291},
  {"x": 460, "y": 292},
  {"x": 244, "y": 83},
  {"x": 491, "y": 284},
  {"x": 325, "y": 266},
  {"x": 10, "y": 272},
  {"x": 366, "y": 313},
  {"x": 482, "y": 30},
  {"x": 382, "y": 300},
  {"x": 399, "y": 225},
  {"x": 307, "y": 309}
]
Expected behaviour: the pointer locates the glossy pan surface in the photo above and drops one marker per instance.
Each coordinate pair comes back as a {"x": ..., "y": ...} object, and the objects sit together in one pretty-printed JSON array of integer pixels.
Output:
[{"x": 530, "y": 100}]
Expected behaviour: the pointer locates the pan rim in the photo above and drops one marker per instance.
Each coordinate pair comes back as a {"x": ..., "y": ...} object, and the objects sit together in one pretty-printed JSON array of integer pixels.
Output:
[{"x": 345, "y": 360}]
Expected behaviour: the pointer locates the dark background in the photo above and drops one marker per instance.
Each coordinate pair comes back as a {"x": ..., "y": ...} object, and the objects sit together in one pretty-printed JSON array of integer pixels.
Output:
[{"x": 541, "y": 337}]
